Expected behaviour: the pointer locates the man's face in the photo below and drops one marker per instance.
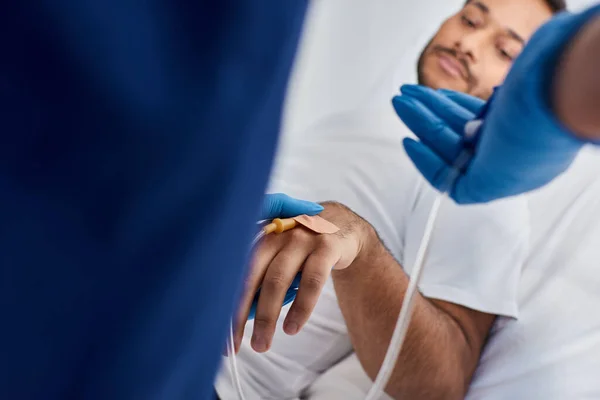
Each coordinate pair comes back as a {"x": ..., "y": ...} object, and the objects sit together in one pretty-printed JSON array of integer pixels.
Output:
[{"x": 474, "y": 49}]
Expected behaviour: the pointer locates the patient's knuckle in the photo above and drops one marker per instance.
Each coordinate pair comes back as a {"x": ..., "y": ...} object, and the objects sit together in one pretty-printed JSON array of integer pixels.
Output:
[
  {"x": 275, "y": 281},
  {"x": 298, "y": 234},
  {"x": 327, "y": 243},
  {"x": 312, "y": 281},
  {"x": 265, "y": 244}
]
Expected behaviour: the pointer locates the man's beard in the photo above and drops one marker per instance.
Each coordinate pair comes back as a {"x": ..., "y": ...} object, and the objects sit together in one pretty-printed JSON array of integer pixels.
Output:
[
  {"x": 421, "y": 79},
  {"x": 421, "y": 76}
]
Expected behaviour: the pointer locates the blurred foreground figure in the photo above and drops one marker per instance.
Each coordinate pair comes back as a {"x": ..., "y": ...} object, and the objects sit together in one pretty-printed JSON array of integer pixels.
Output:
[{"x": 135, "y": 147}]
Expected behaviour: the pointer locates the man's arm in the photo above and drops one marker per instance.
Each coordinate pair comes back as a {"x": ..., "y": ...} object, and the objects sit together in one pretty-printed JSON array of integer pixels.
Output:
[{"x": 444, "y": 340}]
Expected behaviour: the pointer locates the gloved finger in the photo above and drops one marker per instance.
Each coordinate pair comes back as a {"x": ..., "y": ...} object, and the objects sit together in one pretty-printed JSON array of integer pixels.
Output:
[
  {"x": 429, "y": 164},
  {"x": 471, "y": 103},
  {"x": 433, "y": 131},
  {"x": 279, "y": 205},
  {"x": 280, "y": 274},
  {"x": 315, "y": 273},
  {"x": 455, "y": 115}
]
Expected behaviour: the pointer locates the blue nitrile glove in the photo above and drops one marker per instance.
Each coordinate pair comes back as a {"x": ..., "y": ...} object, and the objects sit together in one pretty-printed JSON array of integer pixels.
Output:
[
  {"x": 438, "y": 121},
  {"x": 521, "y": 146},
  {"x": 279, "y": 205}
]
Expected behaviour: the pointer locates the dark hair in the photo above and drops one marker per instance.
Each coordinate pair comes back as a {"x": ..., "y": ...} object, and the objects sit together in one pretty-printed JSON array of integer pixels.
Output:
[{"x": 555, "y": 5}]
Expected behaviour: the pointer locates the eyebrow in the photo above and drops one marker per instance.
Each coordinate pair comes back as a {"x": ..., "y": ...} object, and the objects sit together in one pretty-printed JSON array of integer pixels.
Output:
[{"x": 485, "y": 9}]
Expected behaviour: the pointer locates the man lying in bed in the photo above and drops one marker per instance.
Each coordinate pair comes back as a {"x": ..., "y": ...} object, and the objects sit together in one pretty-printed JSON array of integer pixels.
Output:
[{"x": 474, "y": 267}]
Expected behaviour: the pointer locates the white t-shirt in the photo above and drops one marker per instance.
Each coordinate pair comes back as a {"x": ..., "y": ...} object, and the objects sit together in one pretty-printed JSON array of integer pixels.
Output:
[
  {"x": 475, "y": 258},
  {"x": 553, "y": 350}
]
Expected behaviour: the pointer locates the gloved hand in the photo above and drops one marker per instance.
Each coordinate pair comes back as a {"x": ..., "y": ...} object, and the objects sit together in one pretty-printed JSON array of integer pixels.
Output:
[
  {"x": 438, "y": 118},
  {"x": 280, "y": 205},
  {"x": 521, "y": 145}
]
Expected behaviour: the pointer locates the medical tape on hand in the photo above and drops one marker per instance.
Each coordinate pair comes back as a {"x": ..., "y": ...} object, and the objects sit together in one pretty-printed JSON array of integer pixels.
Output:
[{"x": 316, "y": 224}]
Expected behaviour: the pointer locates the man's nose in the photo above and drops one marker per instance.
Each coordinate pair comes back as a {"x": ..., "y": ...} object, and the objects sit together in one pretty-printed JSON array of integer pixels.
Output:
[{"x": 470, "y": 44}]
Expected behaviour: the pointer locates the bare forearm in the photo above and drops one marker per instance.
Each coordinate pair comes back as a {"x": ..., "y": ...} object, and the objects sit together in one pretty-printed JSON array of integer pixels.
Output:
[
  {"x": 370, "y": 292},
  {"x": 576, "y": 96}
]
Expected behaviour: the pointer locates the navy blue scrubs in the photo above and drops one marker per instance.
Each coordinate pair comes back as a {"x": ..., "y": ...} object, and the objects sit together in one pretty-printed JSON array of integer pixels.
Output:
[{"x": 136, "y": 139}]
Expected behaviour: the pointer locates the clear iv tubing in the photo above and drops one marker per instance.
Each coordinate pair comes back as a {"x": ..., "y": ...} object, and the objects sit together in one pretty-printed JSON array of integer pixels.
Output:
[
  {"x": 235, "y": 373},
  {"x": 391, "y": 356},
  {"x": 395, "y": 346}
]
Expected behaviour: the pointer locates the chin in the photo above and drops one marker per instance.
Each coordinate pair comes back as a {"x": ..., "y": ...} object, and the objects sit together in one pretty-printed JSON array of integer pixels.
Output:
[
  {"x": 431, "y": 76},
  {"x": 441, "y": 82}
]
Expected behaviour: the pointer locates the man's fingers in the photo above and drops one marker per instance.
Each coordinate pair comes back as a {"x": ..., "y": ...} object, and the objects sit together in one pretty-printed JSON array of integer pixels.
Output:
[
  {"x": 451, "y": 112},
  {"x": 433, "y": 131},
  {"x": 315, "y": 273},
  {"x": 277, "y": 280},
  {"x": 263, "y": 256},
  {"x": 431, "y": 166},
  {"x": 471, "y": 103}
]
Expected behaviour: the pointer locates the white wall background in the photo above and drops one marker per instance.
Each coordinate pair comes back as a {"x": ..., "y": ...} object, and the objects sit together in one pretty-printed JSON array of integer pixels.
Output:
[{"x": 355, "y": 52}]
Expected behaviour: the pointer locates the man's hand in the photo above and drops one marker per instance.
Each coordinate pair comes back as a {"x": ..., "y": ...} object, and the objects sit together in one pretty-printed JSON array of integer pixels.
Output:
[{"x": 278, "y": 259}]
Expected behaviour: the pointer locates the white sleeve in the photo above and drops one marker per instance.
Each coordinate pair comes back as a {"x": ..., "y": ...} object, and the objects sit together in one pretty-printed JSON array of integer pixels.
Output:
[{"x": 476, "y": 253}]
